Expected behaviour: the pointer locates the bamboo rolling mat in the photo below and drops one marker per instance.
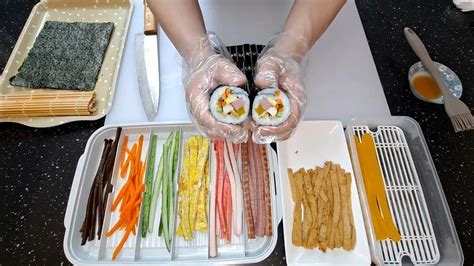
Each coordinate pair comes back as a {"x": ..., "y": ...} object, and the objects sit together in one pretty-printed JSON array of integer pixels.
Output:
[{"x": 48, "y": 104}]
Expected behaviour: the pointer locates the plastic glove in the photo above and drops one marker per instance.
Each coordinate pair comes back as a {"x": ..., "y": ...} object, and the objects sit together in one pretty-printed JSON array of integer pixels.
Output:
[
  {"x": 279, "y": 66},
  {"x": 208, "y": 67}
]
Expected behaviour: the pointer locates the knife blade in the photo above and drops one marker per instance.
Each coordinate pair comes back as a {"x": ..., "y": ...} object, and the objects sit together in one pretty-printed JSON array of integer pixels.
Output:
[{"x": 147, "y": 63}]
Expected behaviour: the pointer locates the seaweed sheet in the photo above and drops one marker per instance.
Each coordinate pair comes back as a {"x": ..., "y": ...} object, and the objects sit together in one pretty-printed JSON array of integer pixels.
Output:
[
  {"x": 65, "y": 56},
  {"x": 245, "y": 58}
]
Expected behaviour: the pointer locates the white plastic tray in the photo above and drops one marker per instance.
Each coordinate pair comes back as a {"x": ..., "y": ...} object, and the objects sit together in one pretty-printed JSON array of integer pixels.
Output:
[
  {"x": 151, "y": 250},
  {"x": 409, "y": 140},
  {"x": 313, "y": 143}
]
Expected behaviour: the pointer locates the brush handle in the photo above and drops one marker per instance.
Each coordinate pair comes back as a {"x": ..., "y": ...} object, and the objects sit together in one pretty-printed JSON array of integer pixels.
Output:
[{"x": 420, "y": 50}]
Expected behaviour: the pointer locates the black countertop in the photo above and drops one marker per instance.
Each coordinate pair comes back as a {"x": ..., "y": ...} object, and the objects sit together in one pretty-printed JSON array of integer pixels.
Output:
[{"x": 37, "y": 165}]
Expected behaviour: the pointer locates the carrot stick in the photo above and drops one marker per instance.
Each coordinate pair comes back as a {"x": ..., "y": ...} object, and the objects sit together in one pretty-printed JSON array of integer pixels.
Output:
[
  {"x": 140, "y": 146},
  {"x": 124, "y": 168},
  {"x": 131, "y": 157},
  {"x": 116, "y": 227},
  {"x": 120, "y": 246},
  {"x": 125, "y": 237},
  {"x": 137, "y": 204},
  {"x": 119, "y": 197},
  {"x": 135, "y": 196},
  {"x": 124, "y": 146},
  {"x": 130, "y": 196},
  {"x": 142, "y": 171}
]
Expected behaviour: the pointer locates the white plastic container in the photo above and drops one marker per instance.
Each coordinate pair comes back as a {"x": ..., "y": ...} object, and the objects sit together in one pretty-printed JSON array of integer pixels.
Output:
[
  {"x": 330, "y": 146},
  {"x": 425, "y": 180},
  {"x": 151, "y": 250}
]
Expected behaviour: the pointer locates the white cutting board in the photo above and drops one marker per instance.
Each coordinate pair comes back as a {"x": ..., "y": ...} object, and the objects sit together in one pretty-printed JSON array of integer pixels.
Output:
[{"x": 341, "y": 80}]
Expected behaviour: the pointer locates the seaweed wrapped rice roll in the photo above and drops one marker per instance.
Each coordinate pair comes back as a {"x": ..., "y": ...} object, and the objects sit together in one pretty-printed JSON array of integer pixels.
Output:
[
  {"x": 230, "y": 104},
  {"x": 271, "y": 107}
]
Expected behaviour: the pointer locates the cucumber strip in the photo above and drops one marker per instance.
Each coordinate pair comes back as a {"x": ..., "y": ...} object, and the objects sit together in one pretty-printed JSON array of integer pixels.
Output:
[
  {"x": 171, "y": 171},
  {"x": 148, "y": 186},
  {"x": 176, "y": 144},
  {"x": 165, "y": 198},
  {"x": 156, "y": 193},
  {"x": 176, "y": 152},
  {"x": 160, "y": 228}
]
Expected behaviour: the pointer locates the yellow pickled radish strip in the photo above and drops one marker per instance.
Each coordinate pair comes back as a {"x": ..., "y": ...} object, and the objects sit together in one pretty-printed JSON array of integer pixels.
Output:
[{"x": 382, "y": 219}]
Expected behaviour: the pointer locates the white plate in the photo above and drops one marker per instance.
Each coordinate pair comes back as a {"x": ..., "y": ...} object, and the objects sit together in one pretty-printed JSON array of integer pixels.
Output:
[{"x": 313, "y": 143}]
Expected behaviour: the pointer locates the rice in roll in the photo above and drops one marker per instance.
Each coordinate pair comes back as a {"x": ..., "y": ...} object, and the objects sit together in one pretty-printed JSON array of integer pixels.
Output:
[
  {"x": 229, "y": 104},
  {"x": 271, "y": 107}
]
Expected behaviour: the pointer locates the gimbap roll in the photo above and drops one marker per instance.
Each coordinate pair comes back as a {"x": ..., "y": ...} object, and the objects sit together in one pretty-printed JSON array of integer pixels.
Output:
[
  {"x": 230, "y": 104},
  {"x": 271, "y": 107}
]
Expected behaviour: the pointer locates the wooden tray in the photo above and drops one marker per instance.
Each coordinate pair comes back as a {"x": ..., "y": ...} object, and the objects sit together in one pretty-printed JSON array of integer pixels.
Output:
[{"x": 117, "y": 11}]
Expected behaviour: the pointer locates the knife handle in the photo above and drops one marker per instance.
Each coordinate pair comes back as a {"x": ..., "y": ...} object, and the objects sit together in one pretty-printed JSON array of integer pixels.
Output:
[{"x": 149, "y": 22}]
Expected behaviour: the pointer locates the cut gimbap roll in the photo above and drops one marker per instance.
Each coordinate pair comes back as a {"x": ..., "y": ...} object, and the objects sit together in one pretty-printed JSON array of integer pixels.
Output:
[
  {"x": 271, "y": 107},
  {"x": 229, "y": 104}
]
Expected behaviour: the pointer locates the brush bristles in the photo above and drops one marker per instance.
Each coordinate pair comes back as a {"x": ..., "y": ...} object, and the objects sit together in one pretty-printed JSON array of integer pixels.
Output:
[{"x": 462, "y": 122}]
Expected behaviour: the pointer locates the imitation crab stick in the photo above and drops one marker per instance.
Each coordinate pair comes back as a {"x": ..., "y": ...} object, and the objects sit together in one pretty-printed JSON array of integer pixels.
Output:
[
  {"x": 220, "y": 185},
  {"x": 234, "y": 175}
]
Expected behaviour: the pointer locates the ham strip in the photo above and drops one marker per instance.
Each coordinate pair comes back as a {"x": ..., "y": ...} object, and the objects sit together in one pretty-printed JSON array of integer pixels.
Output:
[
  {"x": 253, "y": 183},
  {"x": 246, "y": 188},
  {"x": 237, "y": 104},
  {"x": 266, "y": 190},
  {"x": 260, "y": 228},
  {"x": 265, "y": 104}
]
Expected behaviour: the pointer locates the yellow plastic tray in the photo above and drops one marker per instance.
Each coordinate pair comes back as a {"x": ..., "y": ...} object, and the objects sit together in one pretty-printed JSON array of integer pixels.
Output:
[{"x": 116, "y": 11}]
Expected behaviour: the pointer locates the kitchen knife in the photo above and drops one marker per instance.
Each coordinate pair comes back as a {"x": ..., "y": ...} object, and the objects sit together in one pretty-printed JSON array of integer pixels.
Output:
[{"x": 147, "y": 63}]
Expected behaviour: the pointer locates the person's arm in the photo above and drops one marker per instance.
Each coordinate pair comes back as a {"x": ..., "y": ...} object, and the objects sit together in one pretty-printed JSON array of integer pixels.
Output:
[
  {"x": 308, "y": 19},
  {"x": 280, "y": 63},
  {"x": 205, "y": 69},
  {"x": 182, "y": 22}
]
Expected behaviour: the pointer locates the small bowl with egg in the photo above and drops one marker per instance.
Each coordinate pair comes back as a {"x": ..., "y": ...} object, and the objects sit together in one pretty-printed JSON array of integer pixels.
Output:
[{"x": 424, "y": 87}]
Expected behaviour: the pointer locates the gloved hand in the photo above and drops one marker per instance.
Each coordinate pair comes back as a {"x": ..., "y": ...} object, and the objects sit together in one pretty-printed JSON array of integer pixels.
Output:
[
  {"x": 279, "y": 66},
  {"x": 208, "y": 67}
]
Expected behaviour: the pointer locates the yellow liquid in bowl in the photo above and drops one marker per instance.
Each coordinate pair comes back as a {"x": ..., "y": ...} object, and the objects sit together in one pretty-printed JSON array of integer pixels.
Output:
[{"x": 426, "y": 86}]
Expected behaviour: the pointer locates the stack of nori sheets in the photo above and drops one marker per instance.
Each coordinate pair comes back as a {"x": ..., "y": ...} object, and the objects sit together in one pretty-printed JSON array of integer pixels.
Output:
[{"x": 65, "y": 56}]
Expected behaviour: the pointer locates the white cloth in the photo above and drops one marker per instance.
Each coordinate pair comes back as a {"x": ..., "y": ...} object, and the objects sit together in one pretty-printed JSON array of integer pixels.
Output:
[{"x": 464, "y": 5}]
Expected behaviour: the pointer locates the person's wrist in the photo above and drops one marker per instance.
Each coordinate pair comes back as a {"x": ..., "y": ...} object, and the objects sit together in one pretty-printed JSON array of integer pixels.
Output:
[
  {"x": 197, "y": 52},
  {"x": 291, "y": 44}
]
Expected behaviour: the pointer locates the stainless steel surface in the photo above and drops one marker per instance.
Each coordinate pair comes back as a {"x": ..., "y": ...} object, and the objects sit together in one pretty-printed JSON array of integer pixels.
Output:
[
  {"x": 146, "y": 51},
  {"x": 458, "y": 112}
]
